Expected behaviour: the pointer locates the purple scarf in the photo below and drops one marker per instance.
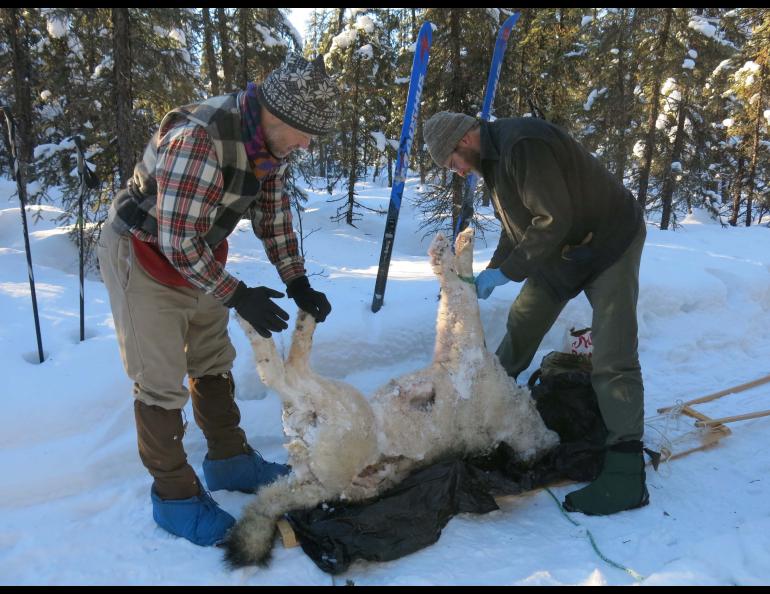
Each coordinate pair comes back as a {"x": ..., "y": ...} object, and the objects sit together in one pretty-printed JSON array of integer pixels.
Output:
[{"x": 262, "y": 162}]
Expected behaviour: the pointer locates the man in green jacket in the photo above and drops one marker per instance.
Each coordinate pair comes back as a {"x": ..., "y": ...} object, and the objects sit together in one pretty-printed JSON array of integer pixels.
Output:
[{"x": 567, "y": 226}]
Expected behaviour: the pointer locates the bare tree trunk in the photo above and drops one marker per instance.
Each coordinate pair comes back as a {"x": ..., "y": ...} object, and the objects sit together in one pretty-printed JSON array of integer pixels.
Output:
[
  {"x": 420, "y": 152},
  {"x": 123, "y": 100},
  {"x": 17, "y": 32},
  {"x": 323, "y": 142},
  {"x": 625, "y": 110},
  {"x": 620, "y": 149},
  {"x": 340, "y": 20},
  {"x": 486, "y": 199},
  {"x": 91, "y": 53},
  {"x": 737, "y": 189},
  {"x": 211, "y": 56},
  {"x": 649, "y": 146},
  {"x": 455, "y": 100},
  {"x": 226, "y": 50},
  {"x": 520, "y": 80},
  {"x": 353, "y": 158},
  {"x": 676, "y": 152},
  {"x": 243, "y": 35},
  {"x": 322, "y": 158},
  {"x": 724, "y": 189},
  {"x": 755, "y": 147},
  {"x": 555, "y": 113},
  {"x": 340, "y": 23}
]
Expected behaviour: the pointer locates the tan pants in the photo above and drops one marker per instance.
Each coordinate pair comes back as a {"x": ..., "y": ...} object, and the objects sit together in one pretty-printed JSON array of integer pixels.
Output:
[{"x": 164, "y": 333}]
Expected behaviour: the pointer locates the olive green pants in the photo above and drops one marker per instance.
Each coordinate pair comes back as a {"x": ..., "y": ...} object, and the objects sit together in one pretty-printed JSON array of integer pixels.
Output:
[{"x": 617, "y": 375}]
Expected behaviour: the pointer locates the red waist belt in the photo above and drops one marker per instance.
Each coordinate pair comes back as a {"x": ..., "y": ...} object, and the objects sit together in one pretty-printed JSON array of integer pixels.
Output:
[{"x": 154, "y": 263}]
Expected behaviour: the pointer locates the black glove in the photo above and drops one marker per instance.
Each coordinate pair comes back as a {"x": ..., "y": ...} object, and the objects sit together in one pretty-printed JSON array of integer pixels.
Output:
[
  {"x": 313, "y": 302},
  {"x": 255, "y": 305}
]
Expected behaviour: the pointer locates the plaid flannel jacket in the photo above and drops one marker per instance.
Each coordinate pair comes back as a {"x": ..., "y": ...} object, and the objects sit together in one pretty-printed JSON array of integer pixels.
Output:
[{"x": 192, "y": 187}]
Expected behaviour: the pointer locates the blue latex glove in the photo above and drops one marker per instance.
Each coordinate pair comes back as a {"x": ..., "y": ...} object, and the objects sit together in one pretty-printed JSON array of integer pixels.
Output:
[{"x": 488, "y": 280}]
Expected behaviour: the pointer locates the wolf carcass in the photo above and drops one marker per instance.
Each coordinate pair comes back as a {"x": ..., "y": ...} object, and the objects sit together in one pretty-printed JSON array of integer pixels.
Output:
[{"x": 345, "y": 446}]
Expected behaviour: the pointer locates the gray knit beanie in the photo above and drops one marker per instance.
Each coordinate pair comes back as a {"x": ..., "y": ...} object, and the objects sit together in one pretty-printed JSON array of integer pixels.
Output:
[
  {"x": 443, "y": 131},
  {"x": 301, "y": 94}
]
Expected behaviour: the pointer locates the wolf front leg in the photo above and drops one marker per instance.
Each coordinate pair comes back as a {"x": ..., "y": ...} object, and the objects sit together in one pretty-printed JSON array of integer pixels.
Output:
[
  {"x": 269, "y": 363},
  {"x": 459, "y": 333},
  {"x": 301, "y": 343}
]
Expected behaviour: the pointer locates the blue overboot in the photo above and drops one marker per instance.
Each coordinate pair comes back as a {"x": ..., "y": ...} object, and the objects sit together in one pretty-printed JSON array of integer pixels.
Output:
[
  {"x": 245, "y": 472},
  {"x": 198, "y": 519}
]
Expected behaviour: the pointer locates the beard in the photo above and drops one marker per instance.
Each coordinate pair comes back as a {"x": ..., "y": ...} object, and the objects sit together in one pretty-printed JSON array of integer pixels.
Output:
[{"x": 470, "y": 156}]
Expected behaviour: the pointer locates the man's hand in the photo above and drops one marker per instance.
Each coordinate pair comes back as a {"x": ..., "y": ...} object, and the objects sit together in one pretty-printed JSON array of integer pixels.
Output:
[
  {"x": 255, "y": 305},
  {"x": 488, "y": 280},
  {"x": 580, "y": 253},
  {"x": 313, "y": 302}
]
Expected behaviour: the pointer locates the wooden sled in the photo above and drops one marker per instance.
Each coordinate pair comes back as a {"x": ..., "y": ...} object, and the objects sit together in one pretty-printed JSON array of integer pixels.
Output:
[{"x": 712, "y": 430}]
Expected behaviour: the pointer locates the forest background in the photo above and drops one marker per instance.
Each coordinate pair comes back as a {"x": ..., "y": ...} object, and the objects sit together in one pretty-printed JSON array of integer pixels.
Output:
[{"x": 673, "y": 100}]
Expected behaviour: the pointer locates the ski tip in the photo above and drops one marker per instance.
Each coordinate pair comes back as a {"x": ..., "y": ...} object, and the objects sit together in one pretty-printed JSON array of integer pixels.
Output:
[{"x": 425, "y": 39}]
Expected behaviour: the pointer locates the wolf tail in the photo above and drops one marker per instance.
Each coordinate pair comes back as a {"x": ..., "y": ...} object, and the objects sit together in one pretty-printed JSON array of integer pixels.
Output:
[{"x": 251, "y": 540}]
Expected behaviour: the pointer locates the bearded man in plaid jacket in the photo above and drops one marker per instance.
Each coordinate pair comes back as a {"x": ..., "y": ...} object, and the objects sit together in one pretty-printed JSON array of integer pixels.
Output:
[{"x": 162, "y": 256}]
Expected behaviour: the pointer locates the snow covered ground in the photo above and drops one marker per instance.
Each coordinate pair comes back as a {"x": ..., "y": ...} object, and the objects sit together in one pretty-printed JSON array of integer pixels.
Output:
[{"x": 74, "y": 497}]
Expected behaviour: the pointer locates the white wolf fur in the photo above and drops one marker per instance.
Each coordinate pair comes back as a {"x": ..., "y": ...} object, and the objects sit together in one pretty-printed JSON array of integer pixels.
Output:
[{"x": 343, "y": 446}]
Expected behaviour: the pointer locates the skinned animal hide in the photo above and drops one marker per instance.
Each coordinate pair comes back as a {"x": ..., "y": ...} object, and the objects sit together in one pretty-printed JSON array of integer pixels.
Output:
[{"x": 344, "y": 446}]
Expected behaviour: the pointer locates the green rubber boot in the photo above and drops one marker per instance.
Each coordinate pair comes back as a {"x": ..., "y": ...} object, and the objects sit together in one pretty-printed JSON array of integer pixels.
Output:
[{"x": 619, "y": 486}]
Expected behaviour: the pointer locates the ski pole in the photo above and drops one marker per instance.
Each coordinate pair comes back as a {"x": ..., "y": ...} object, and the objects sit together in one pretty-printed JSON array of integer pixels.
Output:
[
  {"x": 87, "y": 180},
  {"x": 18, "y": 175}
]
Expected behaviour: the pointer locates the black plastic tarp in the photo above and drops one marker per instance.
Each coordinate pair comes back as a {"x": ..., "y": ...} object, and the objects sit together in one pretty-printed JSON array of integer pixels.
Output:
[{"x": 411, "y": 515}]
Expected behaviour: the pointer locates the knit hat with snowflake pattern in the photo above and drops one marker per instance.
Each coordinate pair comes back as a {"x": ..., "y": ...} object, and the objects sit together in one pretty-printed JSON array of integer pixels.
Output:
[{"x": 301, "y": 94}]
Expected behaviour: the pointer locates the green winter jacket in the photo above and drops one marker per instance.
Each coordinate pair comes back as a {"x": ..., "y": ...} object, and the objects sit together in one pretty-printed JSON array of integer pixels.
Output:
[{"x": 548, "y": 193}]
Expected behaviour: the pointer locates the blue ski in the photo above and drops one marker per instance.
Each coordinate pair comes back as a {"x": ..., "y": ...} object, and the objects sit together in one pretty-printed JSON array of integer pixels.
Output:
[
  {"x": 466, "y": 209},
  {"x": 419, "y": 68}
]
